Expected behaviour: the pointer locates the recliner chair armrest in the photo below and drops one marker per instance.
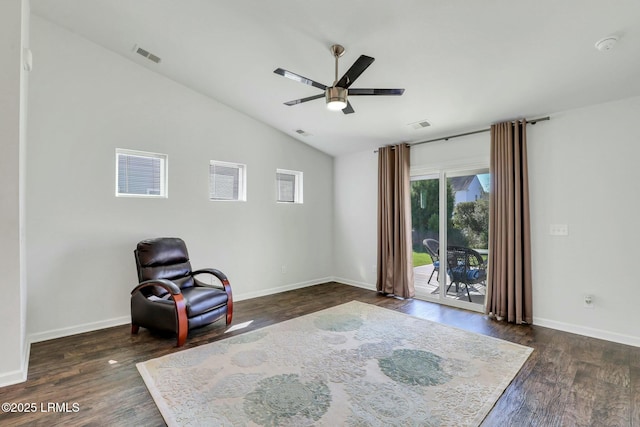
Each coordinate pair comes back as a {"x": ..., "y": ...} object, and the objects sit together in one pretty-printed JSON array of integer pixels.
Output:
[
  {"x": 225, "y": 284},
  {"x": 219, "y": 274},
  {"x": 182, "y": 322},
  {"x": 168, "y": 285}
]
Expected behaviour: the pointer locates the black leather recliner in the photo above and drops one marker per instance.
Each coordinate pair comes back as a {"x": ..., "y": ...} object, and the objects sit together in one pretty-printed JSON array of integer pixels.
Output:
[{"x": 169, "y": 297}]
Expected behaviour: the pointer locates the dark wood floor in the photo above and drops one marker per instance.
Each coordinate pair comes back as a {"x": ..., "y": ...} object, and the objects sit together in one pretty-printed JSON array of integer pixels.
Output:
[{"x": 569, "y": 380}]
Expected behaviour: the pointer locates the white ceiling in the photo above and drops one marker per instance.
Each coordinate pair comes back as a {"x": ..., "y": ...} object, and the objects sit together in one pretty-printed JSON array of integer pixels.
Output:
[{"x": 463, "y": 64}]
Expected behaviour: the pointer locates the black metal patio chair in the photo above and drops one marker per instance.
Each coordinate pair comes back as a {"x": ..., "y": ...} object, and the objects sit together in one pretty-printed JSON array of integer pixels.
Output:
[
  {"x": 465, "y": 266},
  {"x": 433, "y": 247}
]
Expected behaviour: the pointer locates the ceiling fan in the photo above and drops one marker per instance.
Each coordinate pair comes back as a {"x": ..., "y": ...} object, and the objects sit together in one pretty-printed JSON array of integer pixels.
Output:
[{"x": 336, "y": 95}]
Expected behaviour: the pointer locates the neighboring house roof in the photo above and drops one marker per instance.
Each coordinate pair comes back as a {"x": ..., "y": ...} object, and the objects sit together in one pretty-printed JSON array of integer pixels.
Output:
[{"x": 461, "y": 183}]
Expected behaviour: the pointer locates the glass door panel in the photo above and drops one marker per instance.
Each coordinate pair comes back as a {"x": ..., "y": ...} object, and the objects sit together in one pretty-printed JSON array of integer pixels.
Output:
[
  {"x": 467, "y": 230},
  {"x": 425, "y": 213}
]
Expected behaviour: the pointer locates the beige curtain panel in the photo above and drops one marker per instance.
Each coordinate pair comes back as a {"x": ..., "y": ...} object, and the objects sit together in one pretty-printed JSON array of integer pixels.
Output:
[
  {"x": 509, "y": 283},
  {"x": 395, "y": 259}
]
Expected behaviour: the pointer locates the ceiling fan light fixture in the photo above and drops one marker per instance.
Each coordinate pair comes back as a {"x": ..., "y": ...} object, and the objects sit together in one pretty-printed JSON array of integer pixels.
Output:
[{"x": 336, "y": 98}]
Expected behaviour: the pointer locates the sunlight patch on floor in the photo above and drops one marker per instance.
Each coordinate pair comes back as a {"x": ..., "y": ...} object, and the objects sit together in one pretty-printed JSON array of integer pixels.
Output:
[{"x": 238, "y": 326}]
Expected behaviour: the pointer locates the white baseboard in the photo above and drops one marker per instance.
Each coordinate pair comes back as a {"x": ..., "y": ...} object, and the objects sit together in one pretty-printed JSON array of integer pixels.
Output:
[
  {"x": 78, "y": 329},
  {"x": 20, "y": 375},
  {"x": 13, "y": 377},
  {"x": 357, "y": 284},
  {"x": 271, "y": 291},
  {"x": 94, "y": 326},
  {"x": 560, "y": 326},
  {"x": 588, "y": 332}
]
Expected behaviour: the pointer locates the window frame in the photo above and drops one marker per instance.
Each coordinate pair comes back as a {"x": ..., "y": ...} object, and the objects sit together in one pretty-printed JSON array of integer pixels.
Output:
[
  {"x": 242, "y": 180},
  {"x": 164, "y": 173},
  {"x": 298, "y": 190}
]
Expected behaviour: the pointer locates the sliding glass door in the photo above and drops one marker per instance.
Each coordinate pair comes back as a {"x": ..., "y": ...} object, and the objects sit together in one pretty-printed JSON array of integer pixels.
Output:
[
  {"x": 450, "y": 217},
  {"x": 425, "y": 218}
]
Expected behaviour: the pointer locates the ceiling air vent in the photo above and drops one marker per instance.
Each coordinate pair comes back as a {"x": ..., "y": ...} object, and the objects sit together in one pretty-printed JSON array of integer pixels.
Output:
[
  {"x": 150, "y": 56},
  {"x": 419, "y": 125},
  {"x": 302, "y": 132}
]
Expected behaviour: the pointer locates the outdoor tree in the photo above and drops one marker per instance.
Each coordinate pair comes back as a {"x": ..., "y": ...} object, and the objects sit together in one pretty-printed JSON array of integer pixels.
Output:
[
  {"x": 472, "y": 218},
  {"x": 425, "y": 217}
]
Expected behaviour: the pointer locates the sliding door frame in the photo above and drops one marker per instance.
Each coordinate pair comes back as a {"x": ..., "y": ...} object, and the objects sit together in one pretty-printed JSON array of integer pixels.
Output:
[{"x": 443, "y": 172}]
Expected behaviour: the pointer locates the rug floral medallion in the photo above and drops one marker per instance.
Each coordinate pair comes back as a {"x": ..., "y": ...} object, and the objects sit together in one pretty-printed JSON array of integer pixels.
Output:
[{"x": 351, "y": 365}]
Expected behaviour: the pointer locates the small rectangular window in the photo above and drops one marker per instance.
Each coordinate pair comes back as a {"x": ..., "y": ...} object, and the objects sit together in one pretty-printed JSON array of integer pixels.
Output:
[
  {"x": 289, "y": 186},
  {"x": 140, "y": 174},
  {"x": 227, "y": 181}
]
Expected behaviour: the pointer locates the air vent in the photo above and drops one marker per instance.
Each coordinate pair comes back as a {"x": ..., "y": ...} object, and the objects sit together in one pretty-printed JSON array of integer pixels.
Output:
[
  {"x": 154, "y": 58},
  {"x": 302, "y": 132},
  {"x": 150, "y": 56},
  {"x": 419, "y": 125}
]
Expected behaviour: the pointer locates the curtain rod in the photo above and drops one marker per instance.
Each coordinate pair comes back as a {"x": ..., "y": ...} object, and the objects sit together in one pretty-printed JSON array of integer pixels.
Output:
[{"x": 446, "y": 138}]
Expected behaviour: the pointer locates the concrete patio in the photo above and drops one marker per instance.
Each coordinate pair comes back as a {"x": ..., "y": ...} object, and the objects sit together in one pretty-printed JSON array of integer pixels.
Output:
[{"x": 421, "y": 281}]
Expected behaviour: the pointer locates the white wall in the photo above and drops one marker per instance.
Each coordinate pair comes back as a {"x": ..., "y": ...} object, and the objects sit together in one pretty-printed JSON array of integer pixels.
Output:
[
  {"x": 356, "y": 199},
  {"x": 14, "y": 35},
  {"x": 583, "y": 167},
  {"x": 85, "y": 102}
]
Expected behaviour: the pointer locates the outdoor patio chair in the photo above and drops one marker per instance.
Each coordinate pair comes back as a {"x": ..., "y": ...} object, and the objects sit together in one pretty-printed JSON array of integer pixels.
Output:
[
  {"x": 433, "y": 247},
  {"x": 465, "y": 266}
]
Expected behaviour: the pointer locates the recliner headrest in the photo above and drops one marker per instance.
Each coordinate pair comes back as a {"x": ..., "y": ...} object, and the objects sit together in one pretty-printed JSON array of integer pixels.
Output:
[{"x": 162, "y": 251}]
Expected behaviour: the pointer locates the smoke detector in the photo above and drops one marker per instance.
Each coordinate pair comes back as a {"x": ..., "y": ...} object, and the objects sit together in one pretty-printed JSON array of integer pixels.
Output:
[{"x": 606, "y": 44}]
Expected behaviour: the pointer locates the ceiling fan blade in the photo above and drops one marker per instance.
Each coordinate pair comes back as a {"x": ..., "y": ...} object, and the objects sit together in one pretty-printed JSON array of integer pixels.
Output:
[
  {"x": 348, "y": 109},
  {"x": 376, "y": 91},
  {"x": 354, "y": 72},
  {"x": 299, "y": 78},
  {"x": 300, "y": 101}
]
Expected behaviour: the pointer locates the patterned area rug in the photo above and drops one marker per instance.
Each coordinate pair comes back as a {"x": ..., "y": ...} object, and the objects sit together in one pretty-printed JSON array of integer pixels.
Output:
[{"x": 351, "y": 365}]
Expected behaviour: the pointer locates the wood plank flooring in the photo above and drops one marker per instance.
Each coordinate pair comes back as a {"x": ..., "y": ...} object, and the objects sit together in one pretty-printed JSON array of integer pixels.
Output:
[{"x": 569, "y": 380}]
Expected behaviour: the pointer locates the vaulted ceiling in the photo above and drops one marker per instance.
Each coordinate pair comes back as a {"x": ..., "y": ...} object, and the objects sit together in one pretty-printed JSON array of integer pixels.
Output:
[{"x": 463, "y": 64}]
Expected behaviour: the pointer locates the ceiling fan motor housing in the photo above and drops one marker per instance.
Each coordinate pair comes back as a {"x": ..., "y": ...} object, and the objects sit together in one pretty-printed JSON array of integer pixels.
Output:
[{"x": 336, "y": 97}]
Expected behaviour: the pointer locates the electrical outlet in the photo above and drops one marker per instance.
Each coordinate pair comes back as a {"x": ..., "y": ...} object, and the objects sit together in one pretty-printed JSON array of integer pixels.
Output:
[
  {"x": 588, "y": 301},
  {"x": 284, "y": 268}
]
